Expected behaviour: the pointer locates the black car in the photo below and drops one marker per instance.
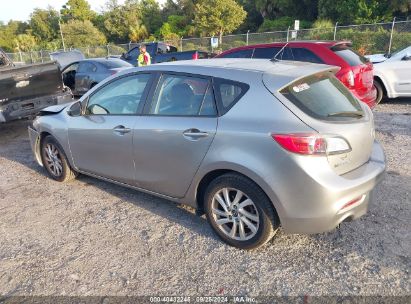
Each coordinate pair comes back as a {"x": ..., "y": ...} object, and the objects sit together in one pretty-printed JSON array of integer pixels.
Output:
[{"x": 82, "y": 75}]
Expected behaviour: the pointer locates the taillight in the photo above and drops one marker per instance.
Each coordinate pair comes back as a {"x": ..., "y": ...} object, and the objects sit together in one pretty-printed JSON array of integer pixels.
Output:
[
  {"x": 312, "y": 144},
  {"x": 348, "y": 79},
  {"x": 195, "y": 56}
]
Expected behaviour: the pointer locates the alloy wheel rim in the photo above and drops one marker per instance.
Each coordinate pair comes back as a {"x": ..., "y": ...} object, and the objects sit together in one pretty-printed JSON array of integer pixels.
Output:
[
  {"x": 53, "y": 160},
  {"x": 235, "y": 214}
]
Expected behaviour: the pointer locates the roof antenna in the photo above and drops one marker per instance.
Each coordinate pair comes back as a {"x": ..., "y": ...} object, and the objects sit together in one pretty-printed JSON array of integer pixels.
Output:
[{"x": 279, "y": 52}]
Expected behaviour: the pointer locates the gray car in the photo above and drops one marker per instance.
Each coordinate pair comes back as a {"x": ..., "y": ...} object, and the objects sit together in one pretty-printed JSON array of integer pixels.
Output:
[{"x": 253, "y": 144}]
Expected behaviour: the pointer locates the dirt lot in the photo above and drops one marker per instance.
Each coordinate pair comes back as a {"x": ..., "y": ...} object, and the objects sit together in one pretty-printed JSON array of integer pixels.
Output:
[{"x": 90, "y": 237}]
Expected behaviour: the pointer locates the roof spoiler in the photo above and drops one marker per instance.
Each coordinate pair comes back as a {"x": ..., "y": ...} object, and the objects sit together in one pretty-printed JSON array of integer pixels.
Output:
[{"x": 340, "y": 44}]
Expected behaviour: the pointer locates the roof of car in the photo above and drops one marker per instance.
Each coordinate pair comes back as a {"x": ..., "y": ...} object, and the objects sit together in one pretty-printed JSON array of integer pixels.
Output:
[
  {"x": 326, "y": 43},
  {"x": 102, "y": 60},
  {"x": 282, "y": 72}
]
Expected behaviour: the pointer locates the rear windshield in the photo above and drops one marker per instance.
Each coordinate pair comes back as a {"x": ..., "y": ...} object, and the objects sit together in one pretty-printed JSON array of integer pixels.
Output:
[
  {"x": 323, "y": 96},
  {"x": 350, "y": 56},
  {"x": 116, "y": 63}
]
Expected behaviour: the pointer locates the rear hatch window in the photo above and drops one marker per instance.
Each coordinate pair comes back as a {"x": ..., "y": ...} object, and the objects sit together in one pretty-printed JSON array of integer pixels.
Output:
[
  {"x": 350, "y": 56},
  {"x": 324, "y": 97}
]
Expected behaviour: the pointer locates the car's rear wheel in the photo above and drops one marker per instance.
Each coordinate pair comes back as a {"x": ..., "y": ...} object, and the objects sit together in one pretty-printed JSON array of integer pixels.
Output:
[
  {"x": 55, "y": 161},
  {"x": 240, "y": 212},
  {"x": 380, "y": 91}
]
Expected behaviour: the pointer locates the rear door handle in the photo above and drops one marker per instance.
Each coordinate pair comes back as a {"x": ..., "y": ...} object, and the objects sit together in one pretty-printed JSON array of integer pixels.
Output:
[
  {"x": 194, "y": 134},
  {"x": 121, "y": 130}
]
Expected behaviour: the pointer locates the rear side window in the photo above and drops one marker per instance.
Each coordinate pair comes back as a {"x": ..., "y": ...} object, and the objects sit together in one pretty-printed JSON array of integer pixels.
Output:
[
  {"x": 323, "y": 96},
  {"x": 301, "y": 54},
  {"x": 228, "y": 93},
  {"x": 86, "y": 67},
  {"x": 266, "y": 53},
  {"x": 350, "y": 56},
  {"x": 239, "y": 54}
]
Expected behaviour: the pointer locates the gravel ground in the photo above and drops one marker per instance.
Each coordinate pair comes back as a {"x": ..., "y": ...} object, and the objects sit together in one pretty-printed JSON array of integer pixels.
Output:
[{"x": 90, "y": 237}]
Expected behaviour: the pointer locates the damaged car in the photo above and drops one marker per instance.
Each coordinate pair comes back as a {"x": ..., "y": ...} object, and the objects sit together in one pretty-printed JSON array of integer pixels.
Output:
[{"x": 26, "y": 89}]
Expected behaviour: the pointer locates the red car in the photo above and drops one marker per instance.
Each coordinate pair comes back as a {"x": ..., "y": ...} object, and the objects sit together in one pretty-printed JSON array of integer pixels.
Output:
[{"x": 356, "y": 71}]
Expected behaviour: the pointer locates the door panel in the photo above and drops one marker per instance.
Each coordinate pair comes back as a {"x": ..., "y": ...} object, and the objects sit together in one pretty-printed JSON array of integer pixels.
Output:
[
  {"x": 166, "y": 159},
  {"x": 98, "y": 145},
  {"x": 401, "y": 70},
  {"x": 101, "y": 141}
]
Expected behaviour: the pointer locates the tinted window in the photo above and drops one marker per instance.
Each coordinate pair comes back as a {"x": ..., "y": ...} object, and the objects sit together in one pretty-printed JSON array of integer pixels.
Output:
[
  {"x": 351, "y": 57},
  {"x": 179, "y": 95},
  {"x": 239, "y": 54},
  {"x": 266, "y": 53},
  {"x": 305, "y": 55},
  {"x": 229, "y": 92},
  {"x": 321, "y": 96},
  {"x": 86, "y": 67},
  {"x": 122, "y": 96},
  {"x": 114, "y": 63},
  {"x": 285, "y": 54}
]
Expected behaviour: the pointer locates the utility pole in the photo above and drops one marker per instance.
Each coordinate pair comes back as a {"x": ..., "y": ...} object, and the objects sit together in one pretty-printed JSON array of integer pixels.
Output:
[{"x": 61, "y": 33}]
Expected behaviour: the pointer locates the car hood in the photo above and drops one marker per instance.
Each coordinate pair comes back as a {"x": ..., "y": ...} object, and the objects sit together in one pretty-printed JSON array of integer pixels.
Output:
[
  {"x": 54, "y": 109},
  {"x": 376, "y": 58}
]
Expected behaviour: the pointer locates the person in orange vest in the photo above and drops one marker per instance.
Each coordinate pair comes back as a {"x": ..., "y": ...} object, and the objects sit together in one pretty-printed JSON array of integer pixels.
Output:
[{"x": 144, "y": 58}]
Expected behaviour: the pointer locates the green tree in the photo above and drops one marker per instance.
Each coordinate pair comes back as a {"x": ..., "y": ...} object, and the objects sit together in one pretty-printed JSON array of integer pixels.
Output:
[
  {"x": 359, "y": 11},
  {"x": 77, "y": 9},
  {"x": 24, "y": 43},
  {"x": 9, "y": 32},
  {"x": 44, "y": 24},
  {"x": 215, "y": 17},
  {"x": 120, "y": 19},
  {"x": 79, "y": 33}
]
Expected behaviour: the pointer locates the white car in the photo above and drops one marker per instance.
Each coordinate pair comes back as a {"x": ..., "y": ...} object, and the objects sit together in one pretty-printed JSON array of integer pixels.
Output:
[{"x": 392, "y": 74}]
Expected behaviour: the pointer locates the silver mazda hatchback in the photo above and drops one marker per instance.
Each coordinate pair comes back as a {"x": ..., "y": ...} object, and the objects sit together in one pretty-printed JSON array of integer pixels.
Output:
[{"x": 253, "y": 144}]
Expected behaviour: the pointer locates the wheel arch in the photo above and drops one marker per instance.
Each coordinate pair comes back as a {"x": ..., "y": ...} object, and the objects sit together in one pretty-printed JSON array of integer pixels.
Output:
[{"x": 213, "y": 174}]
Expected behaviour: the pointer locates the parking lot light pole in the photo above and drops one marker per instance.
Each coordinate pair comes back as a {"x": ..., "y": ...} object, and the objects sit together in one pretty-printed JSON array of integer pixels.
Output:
[
  {"x": 392, "y": 32},
  {"x": 61, "y": 33},
  {"x": 248, "y": 32},
  {"x": 335, "y": 31}
]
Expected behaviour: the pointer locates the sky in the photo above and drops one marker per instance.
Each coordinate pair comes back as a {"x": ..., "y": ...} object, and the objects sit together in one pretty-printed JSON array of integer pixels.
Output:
[{"x": 21, "y": 9}]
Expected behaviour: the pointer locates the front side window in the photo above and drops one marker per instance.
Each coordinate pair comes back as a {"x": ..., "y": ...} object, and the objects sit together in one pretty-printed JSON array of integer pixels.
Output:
[
  {"x": 121, "y": 97},
  {"x": 180, "y": 95},
  {"x": 87, "y": 67}
]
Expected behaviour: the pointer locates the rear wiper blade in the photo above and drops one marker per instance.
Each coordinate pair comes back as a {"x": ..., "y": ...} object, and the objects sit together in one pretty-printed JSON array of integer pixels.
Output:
[{"x": 347, "y": 114}]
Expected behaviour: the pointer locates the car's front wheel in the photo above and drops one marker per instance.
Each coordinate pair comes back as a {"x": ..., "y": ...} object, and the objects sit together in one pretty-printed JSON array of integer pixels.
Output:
[
  {"x": 55, "y": 161},
  {"x": 240, "y": 212}
]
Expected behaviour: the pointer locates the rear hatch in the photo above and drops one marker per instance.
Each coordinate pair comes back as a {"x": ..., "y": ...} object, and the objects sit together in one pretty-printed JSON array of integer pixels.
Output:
[
  {"x": 322, "y": 102},
  {"x": 361, "y": 67}
]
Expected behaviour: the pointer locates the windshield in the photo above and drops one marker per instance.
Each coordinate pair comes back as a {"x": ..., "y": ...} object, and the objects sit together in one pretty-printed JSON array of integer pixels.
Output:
[
  {"x": 323, "y": 96},
  {"x": 116, "y": 63}
]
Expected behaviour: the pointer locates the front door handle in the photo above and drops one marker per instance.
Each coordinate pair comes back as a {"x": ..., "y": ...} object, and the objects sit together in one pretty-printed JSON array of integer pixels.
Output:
[
  {"x": 194, "y": 134},
  {"x": 121, "y": 130}
]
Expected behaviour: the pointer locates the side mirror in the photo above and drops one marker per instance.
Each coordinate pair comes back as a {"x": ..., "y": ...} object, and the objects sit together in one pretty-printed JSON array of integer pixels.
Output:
[
  {"x": 407, "y": 57},
  {"x": 75, "y": 109}
]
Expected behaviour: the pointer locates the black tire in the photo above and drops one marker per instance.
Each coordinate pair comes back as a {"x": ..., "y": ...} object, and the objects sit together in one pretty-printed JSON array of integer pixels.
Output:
[
  {"x": 380, "y": 91},
  {"x": 66, "y": 173},
  {"x": 268, "y": 219}
]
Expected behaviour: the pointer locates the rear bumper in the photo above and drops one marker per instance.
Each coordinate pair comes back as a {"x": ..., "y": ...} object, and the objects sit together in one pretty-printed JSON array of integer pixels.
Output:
[
  {"x": 357, "y": 184},
  {"x": 368, "y": 97},
  {"x": 19, "y": 109}
]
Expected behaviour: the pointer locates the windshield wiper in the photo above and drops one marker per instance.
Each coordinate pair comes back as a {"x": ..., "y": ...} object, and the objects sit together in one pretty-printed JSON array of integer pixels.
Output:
[{"x": 347, "y": 114}]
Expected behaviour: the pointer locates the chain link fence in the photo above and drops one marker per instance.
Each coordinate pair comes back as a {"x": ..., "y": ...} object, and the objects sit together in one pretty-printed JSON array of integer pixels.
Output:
[{"x": 366, "y": 38}]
